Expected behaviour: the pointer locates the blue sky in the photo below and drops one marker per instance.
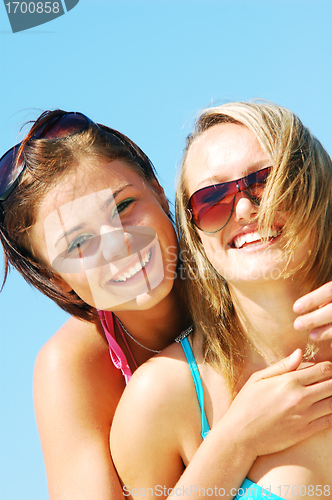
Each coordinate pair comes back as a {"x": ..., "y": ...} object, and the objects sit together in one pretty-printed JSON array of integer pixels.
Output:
[{"x": 145, "y": 68}]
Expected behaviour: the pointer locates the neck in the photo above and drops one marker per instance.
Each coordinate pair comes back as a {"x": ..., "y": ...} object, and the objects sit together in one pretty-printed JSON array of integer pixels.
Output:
[
  {"x": 266, "y": 317},
  {"x": 158, "y": 326}
]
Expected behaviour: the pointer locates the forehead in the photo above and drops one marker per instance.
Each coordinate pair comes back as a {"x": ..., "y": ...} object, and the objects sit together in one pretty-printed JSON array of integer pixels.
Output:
[
  {"x": 86, "y": 178},
  {"x": 222, "y": 153}
]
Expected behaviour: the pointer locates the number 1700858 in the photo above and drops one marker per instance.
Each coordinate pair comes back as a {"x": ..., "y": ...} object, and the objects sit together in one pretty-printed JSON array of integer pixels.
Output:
[{"x": 33, "y": 7}]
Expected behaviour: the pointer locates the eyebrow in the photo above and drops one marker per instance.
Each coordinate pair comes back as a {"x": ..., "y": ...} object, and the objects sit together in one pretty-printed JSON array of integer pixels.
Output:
[
  {"x": 81, "y": 226},
  {"x": 114, "y": 195}
]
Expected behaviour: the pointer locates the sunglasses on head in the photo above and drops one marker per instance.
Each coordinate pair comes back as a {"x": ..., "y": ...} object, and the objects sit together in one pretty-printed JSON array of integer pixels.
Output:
[
  {"x": 59, "y": 127},
  {"x": 211, "y": 207}
]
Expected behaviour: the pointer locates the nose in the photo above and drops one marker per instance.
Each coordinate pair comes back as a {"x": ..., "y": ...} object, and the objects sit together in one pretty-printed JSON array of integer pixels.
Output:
[
  {"x": 244, "y": 209},
  {"x": 115, "y": 243}
]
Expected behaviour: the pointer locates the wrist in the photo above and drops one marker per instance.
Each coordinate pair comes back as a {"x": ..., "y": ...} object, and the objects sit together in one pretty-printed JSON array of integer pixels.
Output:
[{"x": 239, "y": 440}]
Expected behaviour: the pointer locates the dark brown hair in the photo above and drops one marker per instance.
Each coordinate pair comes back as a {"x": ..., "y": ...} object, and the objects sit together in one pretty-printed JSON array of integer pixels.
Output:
[{"x": 46, "y": 163}]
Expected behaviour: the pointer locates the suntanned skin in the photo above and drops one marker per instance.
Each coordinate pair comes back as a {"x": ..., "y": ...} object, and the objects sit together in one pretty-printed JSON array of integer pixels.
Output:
[{"x": 76, "y": 391}]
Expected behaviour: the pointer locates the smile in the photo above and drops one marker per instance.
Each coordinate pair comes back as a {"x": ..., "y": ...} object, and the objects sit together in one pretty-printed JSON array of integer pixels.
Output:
[
  {"x": 254, "y": 238},
  {"x": 132, "y": 271}
]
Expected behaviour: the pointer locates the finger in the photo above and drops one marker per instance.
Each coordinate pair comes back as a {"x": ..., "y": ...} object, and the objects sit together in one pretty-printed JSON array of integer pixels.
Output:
[
  {"x": 318, "y": 377},
  {"x": 314, "y": 299},
  {"x": 321, "y": 408},
  {"x": 286, "y": 365},
  {"x": 322, "y": 333},
  {"x": 314, "y": 319},
  {"x": 318, "y": 425},
  {"x": 319, "y": 397}
]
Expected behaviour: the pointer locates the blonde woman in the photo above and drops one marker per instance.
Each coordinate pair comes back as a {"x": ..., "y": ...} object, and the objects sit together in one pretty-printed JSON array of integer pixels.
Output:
[{"x": 254, "y": 215}]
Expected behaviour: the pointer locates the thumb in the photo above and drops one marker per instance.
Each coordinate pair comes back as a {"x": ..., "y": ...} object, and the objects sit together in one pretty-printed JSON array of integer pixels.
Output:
[{"x": 285, "y": 365}]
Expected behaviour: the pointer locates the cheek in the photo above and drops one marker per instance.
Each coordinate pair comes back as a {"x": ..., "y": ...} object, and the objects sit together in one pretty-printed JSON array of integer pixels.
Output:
[
  {"x": 77, "y": 282},
  {"x": 212, "y": 245},
  {"x": 172, "y": 240},
  {"x": 163, "y": 227},
  {"x": 81, "y": 286}
]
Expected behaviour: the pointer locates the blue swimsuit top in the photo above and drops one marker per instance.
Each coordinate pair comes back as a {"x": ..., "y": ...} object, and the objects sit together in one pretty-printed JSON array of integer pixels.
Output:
[{"x": 248, "y": 489}]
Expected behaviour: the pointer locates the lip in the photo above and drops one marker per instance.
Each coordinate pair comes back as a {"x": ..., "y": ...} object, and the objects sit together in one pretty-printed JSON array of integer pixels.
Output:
[
  {"x": 125, "y": 269},
  {"x": 253, "y": 247}
]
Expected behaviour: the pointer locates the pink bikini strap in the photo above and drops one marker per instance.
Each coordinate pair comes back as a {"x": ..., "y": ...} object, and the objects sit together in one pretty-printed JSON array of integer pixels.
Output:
[
  {"x": 117, "y": 355},
  {"x": 125, "y": 341}
]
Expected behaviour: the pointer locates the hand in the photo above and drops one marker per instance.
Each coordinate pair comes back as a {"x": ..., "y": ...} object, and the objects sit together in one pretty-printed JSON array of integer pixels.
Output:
[
  {"x": 316, "y": 313},
  {"x": 280, "y": 405}
]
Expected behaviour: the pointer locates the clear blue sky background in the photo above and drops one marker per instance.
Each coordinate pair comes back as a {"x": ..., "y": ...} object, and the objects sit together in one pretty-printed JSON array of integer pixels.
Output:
[{"x": 146, "y": 68}]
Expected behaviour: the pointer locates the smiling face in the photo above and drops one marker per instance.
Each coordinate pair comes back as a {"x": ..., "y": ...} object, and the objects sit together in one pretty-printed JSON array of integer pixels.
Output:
[
  {"x": 223, "y": 153},
  {"x": 115, "y": 247}
]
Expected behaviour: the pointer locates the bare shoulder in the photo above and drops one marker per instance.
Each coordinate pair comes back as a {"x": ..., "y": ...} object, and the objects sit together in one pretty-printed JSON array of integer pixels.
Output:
[
  {"x": 152, "y": 422},
  {"x": 165, "y": 373},
  {"x": 76, "y": 391},
  {"x": 157, "y": 401},
  {"x": 74, "y": 364},
  {"x": 74, "y": 337}
]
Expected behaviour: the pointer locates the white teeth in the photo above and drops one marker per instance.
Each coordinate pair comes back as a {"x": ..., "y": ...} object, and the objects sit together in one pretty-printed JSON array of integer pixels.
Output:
[
  {"x": 133, "y": 270},
  {"x": 240, "y": 240},
  {"x": 138, "y": 267}
]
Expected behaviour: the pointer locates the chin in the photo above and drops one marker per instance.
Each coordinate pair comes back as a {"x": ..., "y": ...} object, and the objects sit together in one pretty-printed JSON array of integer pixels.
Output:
[
  {"x": 252, "y": 272},
  {"x": 145, "y": 300},
  {"x": 156, "y": 295}
]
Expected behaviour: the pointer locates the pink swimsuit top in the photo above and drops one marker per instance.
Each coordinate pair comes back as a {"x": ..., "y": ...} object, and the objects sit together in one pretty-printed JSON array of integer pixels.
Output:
[{"x": 118, "y": 357}]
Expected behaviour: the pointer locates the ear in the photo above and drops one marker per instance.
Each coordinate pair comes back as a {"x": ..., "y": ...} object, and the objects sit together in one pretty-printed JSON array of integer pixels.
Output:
[{"x": 160, "y": 194}]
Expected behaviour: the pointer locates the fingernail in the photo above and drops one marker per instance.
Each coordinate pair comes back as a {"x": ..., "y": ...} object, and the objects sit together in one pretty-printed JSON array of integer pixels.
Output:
[
  {"x": 298, "y": 306},
  {"x": 314, "y": 334},
  {"x": 294, "y": 354},
  {"x": 298, "y": 324}
]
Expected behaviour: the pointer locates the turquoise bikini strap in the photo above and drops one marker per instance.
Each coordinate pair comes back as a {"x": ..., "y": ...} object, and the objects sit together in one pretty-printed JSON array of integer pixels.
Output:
[{"x": 198, "y": 384}]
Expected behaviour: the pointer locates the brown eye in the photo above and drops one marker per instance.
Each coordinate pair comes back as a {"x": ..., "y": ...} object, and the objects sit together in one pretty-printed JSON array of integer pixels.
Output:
[{"x": 121, "y": 207}]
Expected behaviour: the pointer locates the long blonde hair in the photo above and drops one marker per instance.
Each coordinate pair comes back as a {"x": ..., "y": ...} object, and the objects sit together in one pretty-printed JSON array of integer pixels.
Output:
[{"x": 300, "y": 182}]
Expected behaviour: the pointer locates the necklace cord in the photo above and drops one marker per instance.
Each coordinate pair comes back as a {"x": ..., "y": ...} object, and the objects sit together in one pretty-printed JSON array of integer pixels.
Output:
[{"x": 133, "y": 338}]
